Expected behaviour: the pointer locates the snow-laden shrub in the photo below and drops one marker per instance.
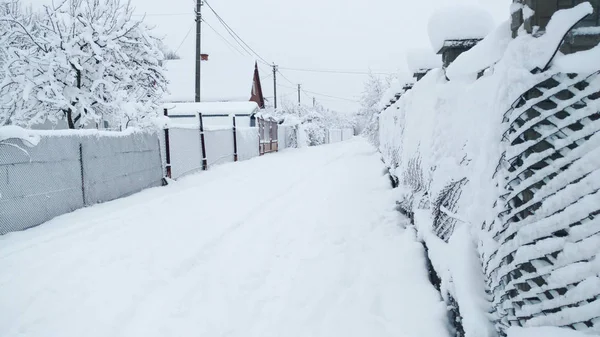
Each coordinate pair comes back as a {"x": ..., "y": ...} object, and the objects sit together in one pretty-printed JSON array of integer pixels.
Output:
[
  {"x": 368, "y": 114},
  {"x": 312, "y": 122}
]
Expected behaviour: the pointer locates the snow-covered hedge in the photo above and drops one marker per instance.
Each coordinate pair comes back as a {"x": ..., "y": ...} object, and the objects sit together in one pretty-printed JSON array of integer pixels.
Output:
[{"x": 502, "y": 158}]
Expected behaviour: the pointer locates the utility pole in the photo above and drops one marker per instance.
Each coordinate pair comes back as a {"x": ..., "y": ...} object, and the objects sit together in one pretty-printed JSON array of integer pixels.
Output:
[
  {"x": 314, "y": 102},
  {"x": 275, "y": 85},
  {"x": 199, "y": 4},
  {"x": 299, "y": 94}
]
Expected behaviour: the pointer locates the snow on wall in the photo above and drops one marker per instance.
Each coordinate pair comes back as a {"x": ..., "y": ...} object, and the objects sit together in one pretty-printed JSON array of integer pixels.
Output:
[
  {"x": 65, "y": 172},
  {"x": 452, "y": 145}
]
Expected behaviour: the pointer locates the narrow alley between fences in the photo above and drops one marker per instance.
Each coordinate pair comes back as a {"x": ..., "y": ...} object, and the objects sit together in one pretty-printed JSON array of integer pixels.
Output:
[{"x": 306, "y": 242}]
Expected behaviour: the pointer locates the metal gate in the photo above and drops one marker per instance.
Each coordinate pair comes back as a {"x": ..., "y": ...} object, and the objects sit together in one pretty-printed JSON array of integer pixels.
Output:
[{"x": 267, "y": 129}]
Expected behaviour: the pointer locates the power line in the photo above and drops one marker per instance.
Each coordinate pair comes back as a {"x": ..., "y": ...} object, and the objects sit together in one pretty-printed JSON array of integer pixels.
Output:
[
  {"x": 332, "y": 71},
  {"x": 320, "y": 94},
  {"x": 234, "y": 33},
  {"x": 222, "y": 37},
  {"x": 165, "y": 14},
  {"x": 285, "y": 78},
  {"x": 185, "y": 38}
]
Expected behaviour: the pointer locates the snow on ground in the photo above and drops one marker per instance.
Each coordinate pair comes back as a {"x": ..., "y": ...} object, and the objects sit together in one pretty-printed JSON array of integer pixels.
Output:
[{"x": 301, "y": 243}]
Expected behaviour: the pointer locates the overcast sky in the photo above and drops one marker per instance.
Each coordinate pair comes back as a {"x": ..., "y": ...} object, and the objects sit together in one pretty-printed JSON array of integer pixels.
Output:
[{"x": 354, "y": 35}]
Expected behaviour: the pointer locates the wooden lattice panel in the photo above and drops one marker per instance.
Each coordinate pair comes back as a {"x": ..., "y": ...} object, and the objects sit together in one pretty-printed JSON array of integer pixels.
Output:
[{"x": 546, "y": 270}]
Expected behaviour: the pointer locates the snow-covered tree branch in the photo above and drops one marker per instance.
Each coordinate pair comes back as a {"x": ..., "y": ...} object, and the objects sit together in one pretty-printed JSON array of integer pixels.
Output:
[{"x": 83, "y": 61}]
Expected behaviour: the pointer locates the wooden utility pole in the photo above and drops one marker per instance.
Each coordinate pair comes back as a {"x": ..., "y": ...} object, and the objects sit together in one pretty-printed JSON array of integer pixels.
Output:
[
  {"x": 275, "y": 85},
  {"x": 199, "y": 4},
  {"x": 299, "y": 94},
  {"x": 314, "y": 102}
]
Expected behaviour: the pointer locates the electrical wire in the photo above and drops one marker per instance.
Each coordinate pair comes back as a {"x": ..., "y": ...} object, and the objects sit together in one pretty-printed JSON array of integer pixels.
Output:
[
  {"x": 233, "y": 33},
  {"x": 332, "y": 71},
  {"x": 185, "y": 38},
  {"x": 222, "y": 37}
]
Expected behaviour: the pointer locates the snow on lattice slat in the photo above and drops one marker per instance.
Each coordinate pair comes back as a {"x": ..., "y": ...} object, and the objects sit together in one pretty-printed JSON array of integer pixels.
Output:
[
  {"x": 564, "y": 83},
  {"x": 567, "y": 316},
  {"x": 584, "y": 248},
  {"x": 562, "y": 105},
  {"x": 547, "y": 226},
  {"x": 573, "y": 138},
  {"x": 496, "y": 262},
  {"x": 568, "y": 158}
]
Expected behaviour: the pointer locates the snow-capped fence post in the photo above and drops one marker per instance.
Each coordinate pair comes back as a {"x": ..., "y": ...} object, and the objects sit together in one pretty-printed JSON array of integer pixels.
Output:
[
  {"x": 235, "y": 147},
  {"x": 167, "y": 148},
  {"x": 202, "y": 143}
]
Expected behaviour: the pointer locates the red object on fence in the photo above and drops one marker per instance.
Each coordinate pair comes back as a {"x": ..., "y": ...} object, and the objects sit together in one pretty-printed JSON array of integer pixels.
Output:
[
  {"x": 167, "y": 148},
  {"x": 204, "y": 160},
  {"x": 235, "y": 148}
]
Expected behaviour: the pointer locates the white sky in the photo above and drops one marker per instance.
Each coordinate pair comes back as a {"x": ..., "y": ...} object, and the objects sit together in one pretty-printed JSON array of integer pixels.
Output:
[{"x": 355, "y": 35}]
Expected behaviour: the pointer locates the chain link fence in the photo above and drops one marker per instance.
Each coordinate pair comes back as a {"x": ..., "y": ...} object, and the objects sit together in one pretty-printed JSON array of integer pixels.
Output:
[{"x": 64, "y": 173}]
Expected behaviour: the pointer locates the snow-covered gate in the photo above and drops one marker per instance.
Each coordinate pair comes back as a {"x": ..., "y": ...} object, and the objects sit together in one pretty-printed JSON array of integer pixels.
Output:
[
  {"x": 268, "y": 135},
  {"x": 338, "y": 135},
  {"x": 64, "y": 173}
]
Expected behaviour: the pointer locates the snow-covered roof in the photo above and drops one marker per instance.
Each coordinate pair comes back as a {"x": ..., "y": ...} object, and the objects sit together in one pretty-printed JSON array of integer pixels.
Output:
[
  {"x": 225, "y": 77},
  {"x": 458, "y": 23},
  {"x": 422, "y": 59},
  {"x": 212, "y": 108}
]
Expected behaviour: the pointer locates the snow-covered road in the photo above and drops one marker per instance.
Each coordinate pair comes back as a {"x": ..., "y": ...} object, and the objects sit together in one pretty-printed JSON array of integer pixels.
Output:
[{"x": 300, "y": 243}]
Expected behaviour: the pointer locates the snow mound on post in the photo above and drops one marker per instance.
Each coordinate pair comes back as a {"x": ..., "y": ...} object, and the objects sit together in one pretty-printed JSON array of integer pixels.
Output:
[
  {"x": 483, "y": 55},
  {"x": 457, "y": 23},
  {"x": 422, "y": 59}
]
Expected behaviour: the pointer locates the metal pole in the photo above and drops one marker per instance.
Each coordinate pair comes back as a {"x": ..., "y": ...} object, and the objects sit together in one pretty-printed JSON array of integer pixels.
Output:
[
  {"x": 167, "y": 148},
  {"x": 275, "y": 85},
  {"x": 202, "y": 141},
  {"x": 199, "y": 4},
  {"x": 235, "y": 148}
]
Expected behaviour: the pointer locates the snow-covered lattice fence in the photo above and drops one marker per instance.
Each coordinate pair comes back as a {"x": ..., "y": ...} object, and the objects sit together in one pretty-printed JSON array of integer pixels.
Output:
[
  {"x": 547, "y": 269},
  {"x": 69, "y": 170},
  {"x": 519, "y": 187}
]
